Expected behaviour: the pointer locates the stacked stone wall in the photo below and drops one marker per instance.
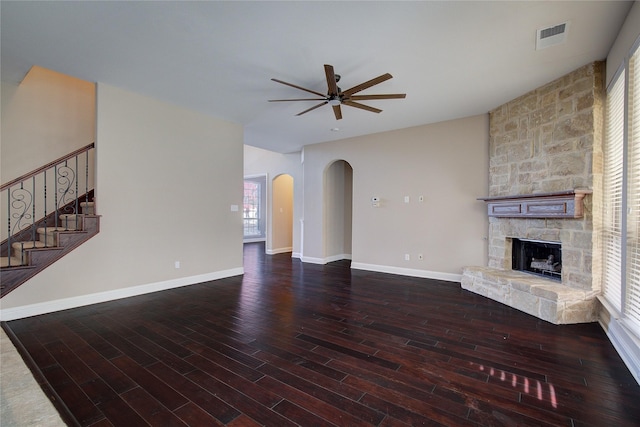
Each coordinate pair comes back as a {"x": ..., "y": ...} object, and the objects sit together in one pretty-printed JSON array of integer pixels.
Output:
[
  {"x": 544, "y": 141},
  {"x": 549, "y": 140}
]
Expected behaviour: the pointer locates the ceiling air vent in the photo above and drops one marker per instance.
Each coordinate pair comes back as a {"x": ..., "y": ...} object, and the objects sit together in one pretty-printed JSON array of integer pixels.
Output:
[{"x": 552, "y": 35}]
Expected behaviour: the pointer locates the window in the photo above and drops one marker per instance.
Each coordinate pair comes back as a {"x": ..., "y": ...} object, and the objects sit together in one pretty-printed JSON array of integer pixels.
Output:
[
  {"x": 632, "y": 298},
  {"x": 621, "y": 196},
  {"x": 253, "y": 209},
  {"x": 612, "y": 193}
]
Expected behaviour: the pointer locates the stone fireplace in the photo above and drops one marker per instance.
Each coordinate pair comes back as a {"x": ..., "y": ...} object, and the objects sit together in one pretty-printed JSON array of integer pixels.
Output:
[{"x": 545, "y": 168}]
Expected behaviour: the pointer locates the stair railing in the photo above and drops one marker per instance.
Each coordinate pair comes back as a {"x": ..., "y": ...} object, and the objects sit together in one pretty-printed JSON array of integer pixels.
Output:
[{"x": 39, "y": 198}]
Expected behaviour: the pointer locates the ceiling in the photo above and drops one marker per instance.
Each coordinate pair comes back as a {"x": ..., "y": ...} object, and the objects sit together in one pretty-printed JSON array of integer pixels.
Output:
[{"x": 452, "y": 59}]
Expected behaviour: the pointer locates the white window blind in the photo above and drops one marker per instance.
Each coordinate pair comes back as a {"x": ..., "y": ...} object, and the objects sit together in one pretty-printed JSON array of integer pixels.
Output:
[
  {"x": 612, "y": 193},
  {"x": 632, "y": 282}
]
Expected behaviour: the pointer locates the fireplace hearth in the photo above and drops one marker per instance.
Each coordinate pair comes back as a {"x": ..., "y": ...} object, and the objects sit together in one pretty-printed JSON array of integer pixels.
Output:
[{"x": 538, "y": 257}]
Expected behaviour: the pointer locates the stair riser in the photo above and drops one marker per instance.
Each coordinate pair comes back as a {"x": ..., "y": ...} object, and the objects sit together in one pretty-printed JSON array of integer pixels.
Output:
[
  {"x": 21, "y": 255},
  {"x": 48, "y": 239},
  {"x": 71, "y": 222},
  {"x": 88, "y": 208}
]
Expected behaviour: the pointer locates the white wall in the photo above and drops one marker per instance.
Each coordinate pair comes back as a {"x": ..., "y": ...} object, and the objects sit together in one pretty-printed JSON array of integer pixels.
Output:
[
  {"x": 626, "y": 37},
  {"x": 260, "y": 162},
  {"x": 166, "y": 180},
  {"x": 45, "y": 117},
  {"x": 446, "y": 163}
]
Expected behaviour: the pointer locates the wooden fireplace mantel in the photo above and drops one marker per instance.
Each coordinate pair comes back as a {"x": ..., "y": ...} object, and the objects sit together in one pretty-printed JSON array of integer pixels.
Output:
[{"x": 562, "y": 204}]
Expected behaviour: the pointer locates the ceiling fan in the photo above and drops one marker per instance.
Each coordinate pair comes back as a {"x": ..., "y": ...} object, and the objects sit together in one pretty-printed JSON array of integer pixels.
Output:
[{"x": 336, "y": 96}]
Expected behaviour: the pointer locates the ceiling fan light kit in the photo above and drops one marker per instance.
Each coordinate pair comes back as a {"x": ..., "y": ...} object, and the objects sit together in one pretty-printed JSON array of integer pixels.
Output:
[{"x": 336, "y": 97}]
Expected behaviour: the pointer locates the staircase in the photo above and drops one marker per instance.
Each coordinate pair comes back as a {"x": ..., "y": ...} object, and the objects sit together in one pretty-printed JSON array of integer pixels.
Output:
[{"x": 66, "y": 221}]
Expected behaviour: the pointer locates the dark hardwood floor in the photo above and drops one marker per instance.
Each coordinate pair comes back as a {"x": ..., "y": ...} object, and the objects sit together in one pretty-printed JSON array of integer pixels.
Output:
[{"x": 301, "y": 344}]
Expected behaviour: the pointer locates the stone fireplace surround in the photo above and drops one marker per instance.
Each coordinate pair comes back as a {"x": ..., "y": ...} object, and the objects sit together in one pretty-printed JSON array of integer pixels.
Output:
[{"x": 547, "y": 141}]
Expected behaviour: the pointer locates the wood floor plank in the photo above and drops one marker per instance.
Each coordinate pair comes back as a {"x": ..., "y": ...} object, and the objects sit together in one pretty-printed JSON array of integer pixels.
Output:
[
  {"x": 209, "y": 352},
  {"x": 337, "y": 386},
  {"x": 217, "y": 408},
  {"x": 264, "y": 415},
  {"x": 119, "y": 413},
  {"x": 193, "y": 415},
  {"x": 75, "y": 399},
  {"x": 264, "y": 397},
  {"x": 314, "y": 404},
  {"x": 289, "y": 343},
  {"x": 70, "y": 362},
  {"x": 160, "y": 390},
  {"x": 299, "y": 415},
  {"x": 152, "y": 411},
  {"x": 346, "y": 405}
]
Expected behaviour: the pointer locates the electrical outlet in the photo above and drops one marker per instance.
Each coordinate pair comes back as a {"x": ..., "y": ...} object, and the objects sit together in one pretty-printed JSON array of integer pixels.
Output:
[
  {"x": 177, "y": 264},
  {"x": 407, "y": 257}
]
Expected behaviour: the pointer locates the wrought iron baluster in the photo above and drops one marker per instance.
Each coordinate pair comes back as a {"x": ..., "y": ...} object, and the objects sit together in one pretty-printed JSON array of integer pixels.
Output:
[
  {"x": 86, "y": 177},
  {"x": 45, "y": 202},
  {"x": 33, "y": 210},
  {"x": 75, "y": 208},
  {"x": 61, "y": 200},
  {"x": 9, "y": 226}
]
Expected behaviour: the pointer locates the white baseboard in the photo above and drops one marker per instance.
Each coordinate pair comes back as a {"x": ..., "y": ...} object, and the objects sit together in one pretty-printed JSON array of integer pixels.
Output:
[
  {"x": 278, "y": 251},
  {"x": 337, "y": 257},
  {"x": 412, "y": 272},
  {"x": 256, "y": 240},
  {"x": 312, "y": 260},
  {"x": 296, "y": 255},
  {"x": 623, "y": 340},
  {"x": 80, "y": 301}
]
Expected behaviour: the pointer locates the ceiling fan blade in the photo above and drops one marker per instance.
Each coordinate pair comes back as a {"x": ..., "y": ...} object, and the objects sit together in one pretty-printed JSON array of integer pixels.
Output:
[
  {"x": 385, "y": 96},
  {"x": 367, "y": 84},
  {"x": 337, "y": 111},
  {"x": 361, "y": 106},
  {"x": 313, "y": 108},
  {"x": 331, "y": 80},
  {"x": 299, "y": 87},
  {"x": 299, "y": 99}
]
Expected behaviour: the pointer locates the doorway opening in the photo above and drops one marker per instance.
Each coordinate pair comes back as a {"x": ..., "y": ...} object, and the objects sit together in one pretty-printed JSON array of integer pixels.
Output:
[{"x": 281, "y": 231}]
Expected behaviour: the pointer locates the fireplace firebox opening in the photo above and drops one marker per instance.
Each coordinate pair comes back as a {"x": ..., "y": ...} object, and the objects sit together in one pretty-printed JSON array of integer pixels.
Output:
[{"x": 537, "y": 257}]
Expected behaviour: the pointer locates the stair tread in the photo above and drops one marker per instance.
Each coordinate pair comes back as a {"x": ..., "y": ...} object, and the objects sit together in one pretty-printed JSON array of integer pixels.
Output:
[
  {"x": 51, "y": 229},
  {"x": 28, "y": 245},
  {"x": 4, "y": 262},
  {"x": 69, "y": 216}
]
